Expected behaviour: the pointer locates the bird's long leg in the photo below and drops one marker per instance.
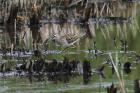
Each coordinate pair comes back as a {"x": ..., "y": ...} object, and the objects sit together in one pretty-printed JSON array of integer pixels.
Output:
[
  {"x": 64, "y": 49},
  {"x": 67, "y": 48}
]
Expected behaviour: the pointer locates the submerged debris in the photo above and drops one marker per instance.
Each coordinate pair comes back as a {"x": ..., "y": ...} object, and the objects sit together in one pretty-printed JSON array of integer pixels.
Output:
[
  {"x": 127, "y": 67},
  {"x": 86, "y": 72},
  {"x": 137, "y": 86},
  {"x": 112, "y": 89}
]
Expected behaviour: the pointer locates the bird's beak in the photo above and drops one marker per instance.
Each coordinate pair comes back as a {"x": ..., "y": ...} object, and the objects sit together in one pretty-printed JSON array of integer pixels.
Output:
[{"x": 53, "y": 36}]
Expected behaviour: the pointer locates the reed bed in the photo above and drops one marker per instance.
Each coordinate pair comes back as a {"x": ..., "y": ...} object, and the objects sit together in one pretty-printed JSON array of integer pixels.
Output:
[{"x": 100, "y": 22}]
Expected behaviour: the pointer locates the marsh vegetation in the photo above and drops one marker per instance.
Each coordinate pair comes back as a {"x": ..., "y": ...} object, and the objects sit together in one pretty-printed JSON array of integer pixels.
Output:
[{"x": 69, "y": 46}]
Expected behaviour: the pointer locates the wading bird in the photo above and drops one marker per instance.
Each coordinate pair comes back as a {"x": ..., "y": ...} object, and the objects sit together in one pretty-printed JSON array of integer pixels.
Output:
[{"x": 67, "y": 40}]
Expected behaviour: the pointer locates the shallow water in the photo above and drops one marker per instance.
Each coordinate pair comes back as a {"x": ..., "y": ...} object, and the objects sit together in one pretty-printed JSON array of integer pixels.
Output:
[{"x": 21, "y": 84}]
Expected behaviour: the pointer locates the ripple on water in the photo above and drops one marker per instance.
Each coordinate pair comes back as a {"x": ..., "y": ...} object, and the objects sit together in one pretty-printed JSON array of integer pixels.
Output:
[{"x": 3, "y": 89}]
